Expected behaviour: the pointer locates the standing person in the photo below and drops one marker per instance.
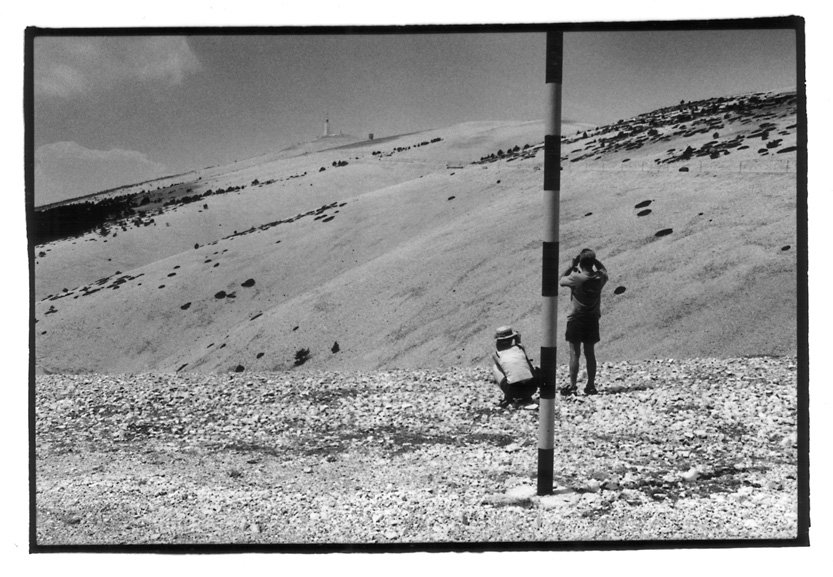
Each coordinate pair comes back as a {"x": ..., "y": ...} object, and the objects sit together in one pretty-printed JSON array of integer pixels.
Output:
[
  {"x": 585, "y": 286},
  {"x": 513, "y": 371}
]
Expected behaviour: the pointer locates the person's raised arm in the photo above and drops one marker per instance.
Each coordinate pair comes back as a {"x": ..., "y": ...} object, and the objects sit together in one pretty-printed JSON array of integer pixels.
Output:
[
  {"x": 601, "y": 272},
  {"x": 572, "y": 267}
]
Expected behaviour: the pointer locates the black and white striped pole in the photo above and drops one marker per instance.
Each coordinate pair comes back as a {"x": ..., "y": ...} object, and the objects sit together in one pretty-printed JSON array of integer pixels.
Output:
[{"x": 549, "y": 265}]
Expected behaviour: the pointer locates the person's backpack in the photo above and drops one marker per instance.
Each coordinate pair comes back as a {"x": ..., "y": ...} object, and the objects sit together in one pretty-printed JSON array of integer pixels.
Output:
[{"x": 515, "y": 364}]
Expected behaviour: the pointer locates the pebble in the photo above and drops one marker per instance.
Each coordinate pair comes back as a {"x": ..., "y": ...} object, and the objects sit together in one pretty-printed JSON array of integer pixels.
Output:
[
  {"x": 789, "y": 440},
  {"x": 691, "y": 475},
  {"x": 631, "y": 495},
  {"x": 552, "y": 501},
  {"x": 521, "y": 493}
]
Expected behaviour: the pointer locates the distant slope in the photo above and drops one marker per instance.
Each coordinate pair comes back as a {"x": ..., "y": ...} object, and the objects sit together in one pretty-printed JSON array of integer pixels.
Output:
[
  {"x": 319, "y": 144},
  {"x": 409, "y": 252},
  {"x": 286, "y": 187}
]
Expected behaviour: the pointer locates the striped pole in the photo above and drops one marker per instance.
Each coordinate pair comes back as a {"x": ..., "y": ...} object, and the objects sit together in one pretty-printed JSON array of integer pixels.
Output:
[{"x": 549, "y": 268}]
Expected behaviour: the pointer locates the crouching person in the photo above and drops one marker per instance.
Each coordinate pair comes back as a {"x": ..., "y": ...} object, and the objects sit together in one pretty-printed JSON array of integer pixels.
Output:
[{"x": 513, "y": 370}]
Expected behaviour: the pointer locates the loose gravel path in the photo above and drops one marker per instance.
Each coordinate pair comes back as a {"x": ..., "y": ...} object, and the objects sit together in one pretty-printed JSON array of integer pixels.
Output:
[{"x": 670, "y": 449}]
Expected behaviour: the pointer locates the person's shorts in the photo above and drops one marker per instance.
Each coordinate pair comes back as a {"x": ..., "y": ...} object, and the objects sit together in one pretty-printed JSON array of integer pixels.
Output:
[
  {"x": 583, "y": 330},
  {"x": 522, "y": 390}
]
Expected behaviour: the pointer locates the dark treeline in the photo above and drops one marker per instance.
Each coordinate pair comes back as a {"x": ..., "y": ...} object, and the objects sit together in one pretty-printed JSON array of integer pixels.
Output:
[
  {"x": 404, "y": 148},
  {"x": 82, "y": 217},
  {"x": 78, "y": 218}
]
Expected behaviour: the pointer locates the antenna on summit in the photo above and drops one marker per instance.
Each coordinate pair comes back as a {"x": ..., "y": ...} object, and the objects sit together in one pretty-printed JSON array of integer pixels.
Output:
[{"x": 327, "y": 126}]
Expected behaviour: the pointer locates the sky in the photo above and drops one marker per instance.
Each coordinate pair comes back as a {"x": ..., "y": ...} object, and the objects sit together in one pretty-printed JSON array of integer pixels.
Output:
[{"x": 116, "y": 110}]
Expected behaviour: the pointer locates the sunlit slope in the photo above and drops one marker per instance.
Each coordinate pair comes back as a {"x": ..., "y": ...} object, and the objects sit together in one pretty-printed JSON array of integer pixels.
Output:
[
  {"x": 413, "y": 259},
  {"x": 286, "y": 187}
]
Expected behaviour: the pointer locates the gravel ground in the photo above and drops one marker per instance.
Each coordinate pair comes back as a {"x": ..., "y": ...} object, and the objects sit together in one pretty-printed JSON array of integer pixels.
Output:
[{"x": 670, "y": 449}]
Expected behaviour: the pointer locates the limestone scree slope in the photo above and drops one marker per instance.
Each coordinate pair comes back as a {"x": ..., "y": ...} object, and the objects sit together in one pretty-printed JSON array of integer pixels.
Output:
[{"x": 408, "y": 251}]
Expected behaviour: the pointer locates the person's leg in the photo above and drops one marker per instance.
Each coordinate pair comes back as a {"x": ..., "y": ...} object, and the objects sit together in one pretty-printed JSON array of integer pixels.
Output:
[
  {"x": 502, "y": 385},
  {"x": 590, "y": 360},
  {"x": 526, "y": 391},
  {"x": 575, "y": 354}
]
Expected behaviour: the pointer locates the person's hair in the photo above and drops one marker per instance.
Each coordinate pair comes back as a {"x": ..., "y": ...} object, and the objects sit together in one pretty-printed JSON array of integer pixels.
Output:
[
  {"x": 586, "y": 258},
  {"x": 502, "y": 344}
]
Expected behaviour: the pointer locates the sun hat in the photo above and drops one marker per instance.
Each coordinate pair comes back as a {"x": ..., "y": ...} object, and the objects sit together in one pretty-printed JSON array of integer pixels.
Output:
[{"x": 505, "y": 332}]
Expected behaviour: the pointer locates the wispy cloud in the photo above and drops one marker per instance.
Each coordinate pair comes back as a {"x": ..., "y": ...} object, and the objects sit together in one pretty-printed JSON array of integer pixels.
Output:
[
  {"x": 65, "y": 170},
  {"x": 68, "y": 66}
]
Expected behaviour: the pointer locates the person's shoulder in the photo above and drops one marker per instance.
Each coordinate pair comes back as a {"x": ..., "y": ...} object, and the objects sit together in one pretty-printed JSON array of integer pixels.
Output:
[
  {"x": 516, "y": 350},
  {"x": 582, "y": 276},
  {"x": 568, "y": 280}
]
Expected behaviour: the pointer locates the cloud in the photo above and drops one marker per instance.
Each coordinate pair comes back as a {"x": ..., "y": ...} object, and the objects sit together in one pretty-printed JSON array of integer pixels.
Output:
[
  {"x": 65, "y": 67},
  {"x": 65, "y": 170}
]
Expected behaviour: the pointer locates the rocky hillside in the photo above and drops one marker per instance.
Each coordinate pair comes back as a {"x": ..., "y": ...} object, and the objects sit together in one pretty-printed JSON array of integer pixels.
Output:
[{"x": 407, "y": 251}]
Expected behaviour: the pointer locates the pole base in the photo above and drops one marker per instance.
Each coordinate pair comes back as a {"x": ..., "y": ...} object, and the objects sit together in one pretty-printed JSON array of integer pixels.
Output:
[{"x": 545, "y": 471}]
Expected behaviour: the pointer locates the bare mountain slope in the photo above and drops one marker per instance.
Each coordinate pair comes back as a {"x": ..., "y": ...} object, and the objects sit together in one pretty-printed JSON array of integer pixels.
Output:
[
  {"x": 408, "y": 252},
  {"x": 274, "y": 189}
]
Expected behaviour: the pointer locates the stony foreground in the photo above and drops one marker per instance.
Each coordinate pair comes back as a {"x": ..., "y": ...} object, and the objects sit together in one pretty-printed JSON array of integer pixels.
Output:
[{"x": 670, "y": 449}]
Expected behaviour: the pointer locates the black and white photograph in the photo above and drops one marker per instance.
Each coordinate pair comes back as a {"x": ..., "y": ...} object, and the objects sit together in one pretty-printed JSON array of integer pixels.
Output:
[{"x": 406, "y": 289}]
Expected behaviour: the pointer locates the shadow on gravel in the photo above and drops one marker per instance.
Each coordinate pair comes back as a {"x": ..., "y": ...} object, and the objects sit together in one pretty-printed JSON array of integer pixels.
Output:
[
  {"x": 396, "y": 441},
  {"x": 523, "y": 504},
  {"x": 405, "y": 442},
  {"x": 251, "y": 448},
  {"x": 619, "y": 389},
  {"x": 735, "y": 430},
  {"x": 724, "y": 479},
  {"x": 328, "y": 395}
]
